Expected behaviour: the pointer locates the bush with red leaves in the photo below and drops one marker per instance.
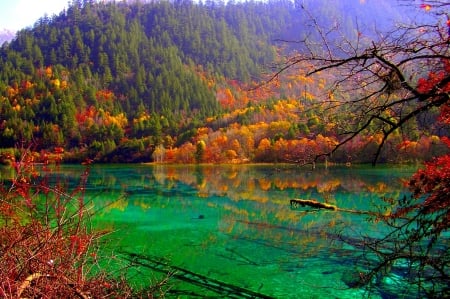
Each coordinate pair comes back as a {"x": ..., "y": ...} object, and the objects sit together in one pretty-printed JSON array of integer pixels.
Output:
[{"x": 47, "y": 249}]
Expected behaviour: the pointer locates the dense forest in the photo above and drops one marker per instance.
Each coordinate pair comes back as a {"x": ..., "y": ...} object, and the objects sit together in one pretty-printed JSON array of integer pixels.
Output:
[{"x": 178, "y": 81}]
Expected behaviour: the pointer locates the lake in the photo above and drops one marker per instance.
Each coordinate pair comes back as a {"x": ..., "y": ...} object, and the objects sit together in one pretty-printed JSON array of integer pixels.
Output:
[{"x": 229, "y": 230}]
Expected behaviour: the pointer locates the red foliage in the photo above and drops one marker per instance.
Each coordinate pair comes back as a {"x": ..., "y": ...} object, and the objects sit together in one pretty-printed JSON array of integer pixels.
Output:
[
  {"x": 426, "y": 85},
  {"x": 434, "y": 180},
  {"x": 33, "y": 251},
  {"x": 59, "y": 150},
  {"x": 50, "y": 255},
  {"x": 444, "y": 116}
]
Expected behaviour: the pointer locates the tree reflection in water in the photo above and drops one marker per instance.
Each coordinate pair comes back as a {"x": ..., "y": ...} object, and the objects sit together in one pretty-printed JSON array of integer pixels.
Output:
[{"x": 248, "y": 235}]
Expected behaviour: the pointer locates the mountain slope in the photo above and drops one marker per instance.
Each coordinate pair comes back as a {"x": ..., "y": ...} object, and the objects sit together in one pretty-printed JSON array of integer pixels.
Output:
[{"x": 104, "y": 79}]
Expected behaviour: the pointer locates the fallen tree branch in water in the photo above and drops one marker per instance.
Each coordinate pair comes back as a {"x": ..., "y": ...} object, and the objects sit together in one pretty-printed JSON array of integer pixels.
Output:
[
  {"x": 297, "y": 203},
  {"x": 241, "y": 259},
  {"x": 312, "y": 203}
]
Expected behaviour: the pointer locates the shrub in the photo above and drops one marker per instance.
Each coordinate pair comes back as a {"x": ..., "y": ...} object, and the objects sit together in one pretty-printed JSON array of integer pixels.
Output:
[{"x": 47, "y": 248}]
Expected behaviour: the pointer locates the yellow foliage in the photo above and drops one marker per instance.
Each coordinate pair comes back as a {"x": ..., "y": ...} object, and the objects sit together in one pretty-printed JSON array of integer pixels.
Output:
[
  {"x": 121, "y": 120},
  {"x": 304, "y": 79},
  {"x": 378, "y": 188},
  {"x": 281, "y": 126},
  {"x": 321, "y": 84},
  {"x": 330, "y": 126},
  {"x": 56, "y": 83},
  {"x": 142, "y": 117},
  {"x": 258, "y": 127},
  {"x": 435, "y": 139},
  {"x": 120, "y": 204},
  {"x": 144, "y": 205},
  {"x": 308, "y": 96}
]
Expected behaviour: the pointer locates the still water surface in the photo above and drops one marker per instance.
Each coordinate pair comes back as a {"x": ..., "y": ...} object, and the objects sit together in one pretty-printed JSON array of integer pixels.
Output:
[
  {"x": 232, "y": 228},
  {"x": 234, "y": 224}
]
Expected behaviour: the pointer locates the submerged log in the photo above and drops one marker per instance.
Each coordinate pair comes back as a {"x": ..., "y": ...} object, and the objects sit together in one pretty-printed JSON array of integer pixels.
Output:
[
  {"x": 295, "y": 203},
  {"x": 225, "y": 290}
]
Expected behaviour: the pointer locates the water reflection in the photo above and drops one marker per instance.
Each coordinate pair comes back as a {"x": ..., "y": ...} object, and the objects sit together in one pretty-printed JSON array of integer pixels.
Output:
[
  {"x": 251, "y": 192},
  {"x": 247, "y": 234},
  {"x": 233, "y": 223},
  {"x": 240, "y": 182}
]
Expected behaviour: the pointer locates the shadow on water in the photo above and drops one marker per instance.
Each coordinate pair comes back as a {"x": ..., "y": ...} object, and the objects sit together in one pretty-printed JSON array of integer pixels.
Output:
[{"x": 221, "y": 288}]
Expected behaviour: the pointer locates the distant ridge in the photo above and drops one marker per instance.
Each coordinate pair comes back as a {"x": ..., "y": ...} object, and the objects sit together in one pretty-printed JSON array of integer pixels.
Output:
[{"x": 6, "y": 35}]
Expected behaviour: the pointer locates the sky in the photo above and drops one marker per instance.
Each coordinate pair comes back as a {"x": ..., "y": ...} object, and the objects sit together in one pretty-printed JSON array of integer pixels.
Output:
[{"x": 18, "y": 14}]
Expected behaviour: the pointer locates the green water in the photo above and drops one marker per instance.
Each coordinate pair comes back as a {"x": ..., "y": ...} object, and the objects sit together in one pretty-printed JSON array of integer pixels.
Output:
[{"x": 234, "y": 224}]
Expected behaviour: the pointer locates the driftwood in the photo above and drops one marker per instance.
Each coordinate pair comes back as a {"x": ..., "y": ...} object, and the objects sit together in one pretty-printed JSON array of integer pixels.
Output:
[{"x": 295, "y": 203}]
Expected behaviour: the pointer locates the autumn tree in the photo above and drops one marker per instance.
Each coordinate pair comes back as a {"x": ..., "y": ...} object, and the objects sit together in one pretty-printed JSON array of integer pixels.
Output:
[
  {"x": 384, "y": 73},
  {"x": 384, "y": 81}
]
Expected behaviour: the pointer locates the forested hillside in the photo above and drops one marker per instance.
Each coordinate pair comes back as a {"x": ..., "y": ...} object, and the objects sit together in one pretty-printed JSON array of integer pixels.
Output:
[{"x": 171, "y": 81}]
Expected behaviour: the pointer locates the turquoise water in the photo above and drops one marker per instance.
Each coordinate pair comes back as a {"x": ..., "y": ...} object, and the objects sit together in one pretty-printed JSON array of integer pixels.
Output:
[
  {"x": 234, "y": 224},
  {"x": 232, "y": 227}
]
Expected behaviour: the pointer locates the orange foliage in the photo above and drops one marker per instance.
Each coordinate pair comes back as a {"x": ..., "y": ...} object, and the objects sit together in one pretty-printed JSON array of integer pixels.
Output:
[
  {"x": 231, "y": 154},
  {"x": 91, "y": 116},
  {"x": 27, "y": 85},
  {"x": 104, "y": 95},
  {"x": 64, "y": 84},
  {"x": 186, "y": 153},
  {"x": 170, "y": 155},
  {"x": 12, "y": 92},
  {"x": 49, "y": 72},
  {"x": 265, "y": 184},
  {"x": 202, "y": 131},
  {"x": 225, "y": 98}
]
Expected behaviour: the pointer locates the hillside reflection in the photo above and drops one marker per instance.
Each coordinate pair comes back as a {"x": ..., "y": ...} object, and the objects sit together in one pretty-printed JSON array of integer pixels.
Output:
[
  {"x": 252, "y": 201},
  {"x": 237, "y": 181},
  {"x": 234, "y": 223}
]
